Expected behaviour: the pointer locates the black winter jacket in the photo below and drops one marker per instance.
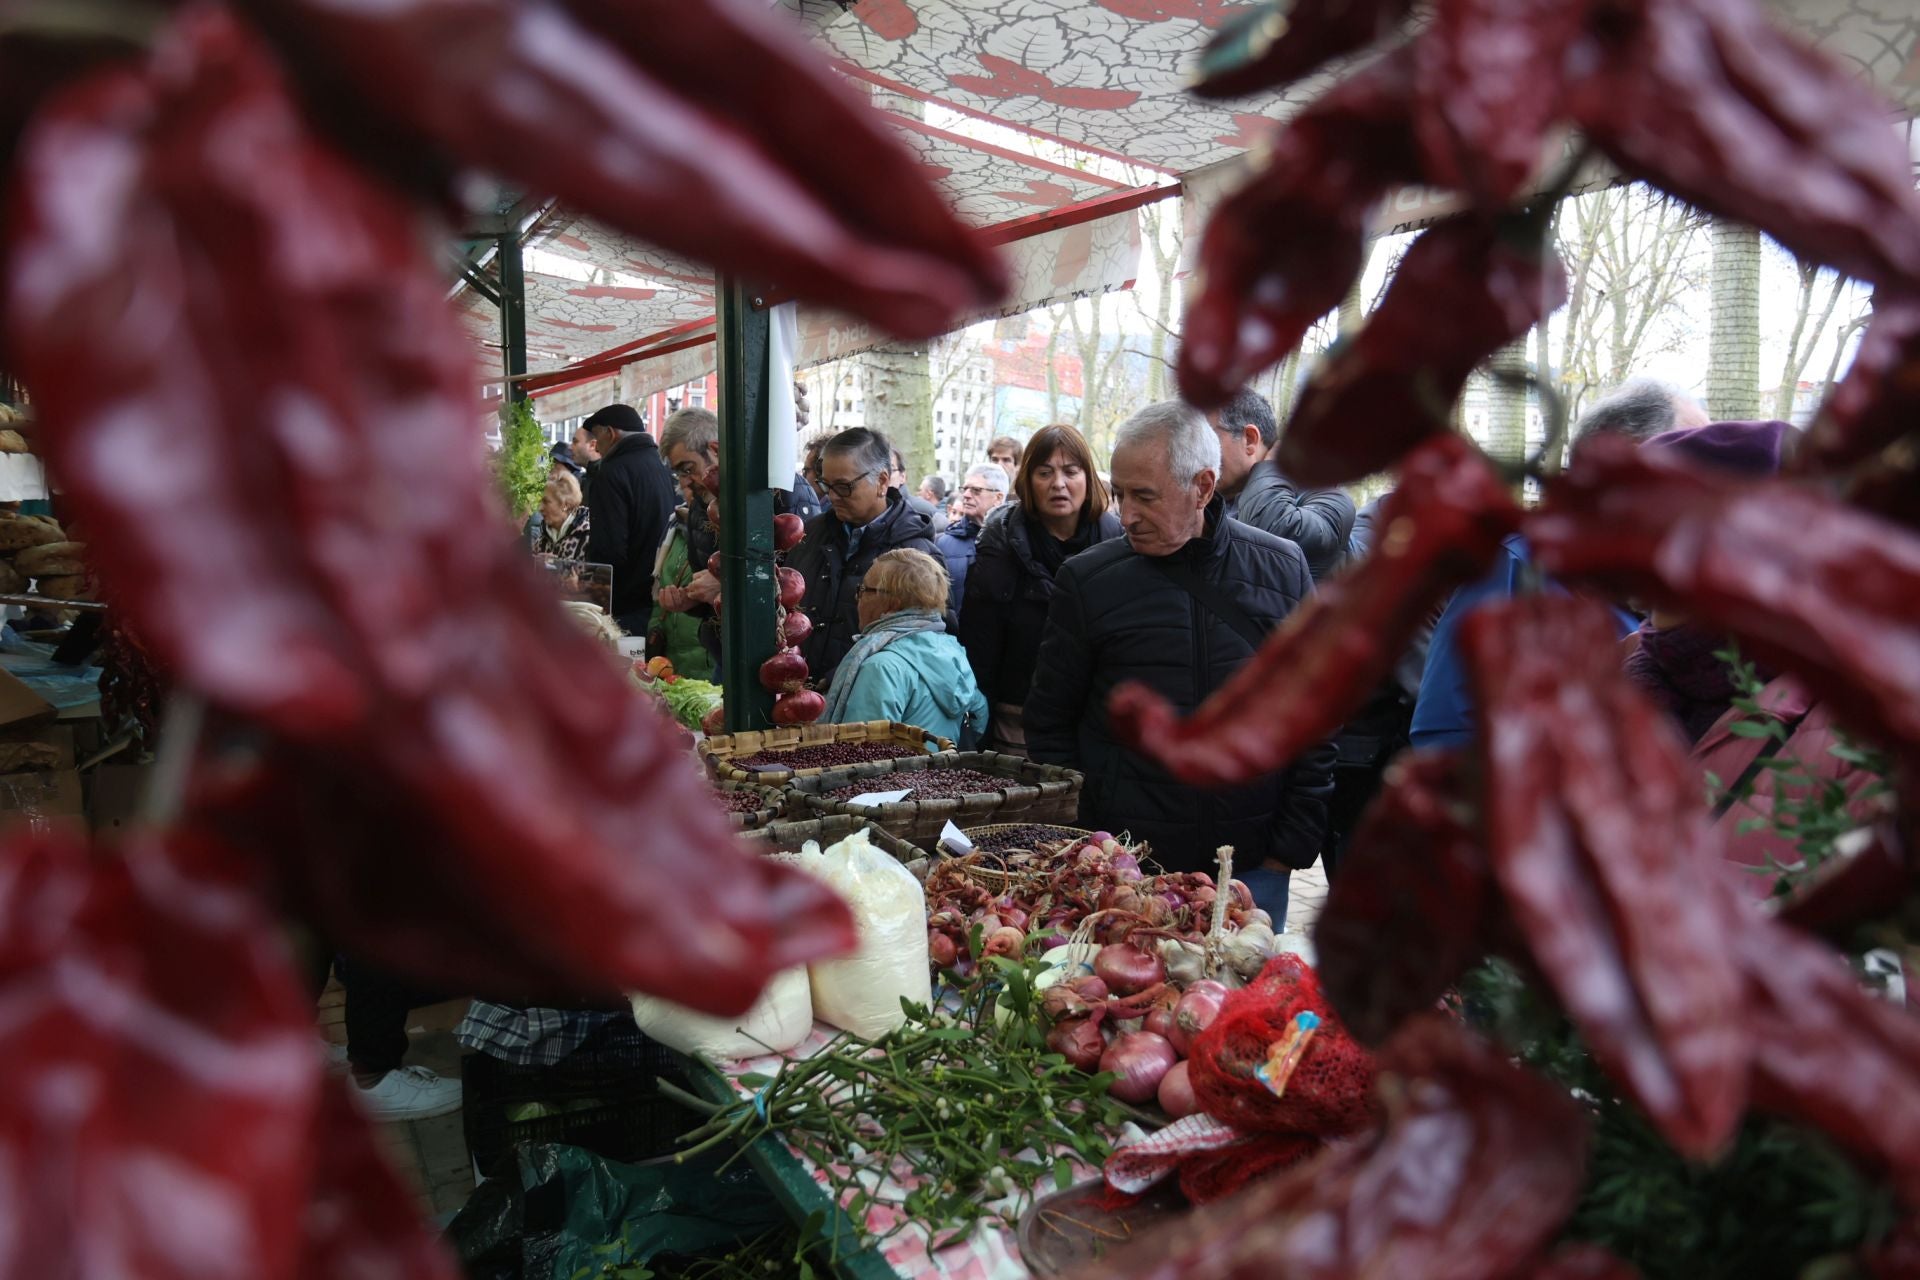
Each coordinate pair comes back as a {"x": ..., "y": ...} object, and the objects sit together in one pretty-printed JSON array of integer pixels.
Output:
[
  {"x": 821, "y": 558},
  {"x": 1004, "y": 609},
  {"x": 1319, "y": 520},
  {"x": 633, "y": 500},
  {"x": 1117, "y": 616}
]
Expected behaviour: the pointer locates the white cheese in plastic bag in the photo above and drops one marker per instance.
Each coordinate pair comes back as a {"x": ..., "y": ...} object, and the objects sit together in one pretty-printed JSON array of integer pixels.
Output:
[
  {"x": 861, "y": 993},
  {"x": 778, "y": 1021}
]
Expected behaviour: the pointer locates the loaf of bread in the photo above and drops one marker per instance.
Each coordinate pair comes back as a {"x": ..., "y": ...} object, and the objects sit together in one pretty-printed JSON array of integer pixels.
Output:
[
  {"x": 19, "y": 757},
  {"x": 67, "y": 586},
  {"x": 17, "y": 533},
  {"x": 52, "y": 559},
  {"x": 12, "y": 441},
  {"x": 12, "y": 581}
]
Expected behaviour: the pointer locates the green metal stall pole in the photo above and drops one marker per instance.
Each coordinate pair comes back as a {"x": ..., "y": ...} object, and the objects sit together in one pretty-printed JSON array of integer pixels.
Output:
[
  {"x": 513, "y": 308},
  {"x": 748, "y": 592}
]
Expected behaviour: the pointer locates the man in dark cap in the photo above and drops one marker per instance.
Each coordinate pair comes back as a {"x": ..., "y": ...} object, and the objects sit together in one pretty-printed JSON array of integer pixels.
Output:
[{"x": 633, "y": 499}]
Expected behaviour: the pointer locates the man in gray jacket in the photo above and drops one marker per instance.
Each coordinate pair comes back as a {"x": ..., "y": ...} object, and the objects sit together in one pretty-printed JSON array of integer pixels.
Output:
[{"x": 1319, "y": 521}]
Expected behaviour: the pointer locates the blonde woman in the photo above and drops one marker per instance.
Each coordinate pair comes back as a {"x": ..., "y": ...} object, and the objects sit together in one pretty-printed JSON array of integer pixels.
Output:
[
  {"x": 904, "y": 666},
  {"x": 564, "y": 520}
]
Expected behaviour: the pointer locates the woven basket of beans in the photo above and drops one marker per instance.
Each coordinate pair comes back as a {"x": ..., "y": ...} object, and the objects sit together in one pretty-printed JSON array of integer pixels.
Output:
[
  {"x": 772, "y": 757},
  {"x": 968, "y": 789},
  {"x": 788, "y": 837},
  {"x": 749, "y": 805}
]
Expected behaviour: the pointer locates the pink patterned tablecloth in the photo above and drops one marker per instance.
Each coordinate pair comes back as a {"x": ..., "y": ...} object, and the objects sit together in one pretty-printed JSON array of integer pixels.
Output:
[{"x": 990, "y": 1253}]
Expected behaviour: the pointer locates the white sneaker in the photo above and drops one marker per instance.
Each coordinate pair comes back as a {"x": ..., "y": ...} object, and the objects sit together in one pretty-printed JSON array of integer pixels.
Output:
[
  {"x": 334, "y": 1056},
  {"x": 410, "y": 1093}
]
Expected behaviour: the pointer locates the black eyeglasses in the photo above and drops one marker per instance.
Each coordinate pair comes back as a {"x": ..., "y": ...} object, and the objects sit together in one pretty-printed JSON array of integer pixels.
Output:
[
  {"x": 976, "y": 490},
  {"x": 864, "y": 590},
  {"x": 844, "y": 488}
]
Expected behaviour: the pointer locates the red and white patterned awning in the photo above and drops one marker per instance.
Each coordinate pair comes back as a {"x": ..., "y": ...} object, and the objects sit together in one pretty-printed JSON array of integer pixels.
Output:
[{"x": 1085, "y": 100}]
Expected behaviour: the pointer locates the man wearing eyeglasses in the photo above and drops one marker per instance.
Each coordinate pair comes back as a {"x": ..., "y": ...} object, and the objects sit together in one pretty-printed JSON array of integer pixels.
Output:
[
  {"x": 867, "y": 516},
  {"x": 984, "y": 489}
]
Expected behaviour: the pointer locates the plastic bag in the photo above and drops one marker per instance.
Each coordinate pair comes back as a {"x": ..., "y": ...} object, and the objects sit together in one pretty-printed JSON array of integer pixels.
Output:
[
  {"x": 778, "y": 1021},
  {"x": 862, "y": 992}
]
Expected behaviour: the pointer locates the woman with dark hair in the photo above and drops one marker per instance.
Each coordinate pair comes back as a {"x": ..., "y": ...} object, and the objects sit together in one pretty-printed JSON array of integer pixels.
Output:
[{"x": 1059, "y": 510}]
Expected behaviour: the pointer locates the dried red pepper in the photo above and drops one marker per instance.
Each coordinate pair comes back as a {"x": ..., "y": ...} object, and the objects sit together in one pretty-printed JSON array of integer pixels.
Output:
[
  {"x": 1825, "y": 1052},
  {"x": 1804, "y": 582},
  {"x": 1413, "y": 905},
  {"x": 709, "y": 127},
  {"x": 1440, "y": 528},
  {"x": 1600, "y": 839},
  {"x": 167, "y": 1113},
  {"x": 1489, "y": 87},
  {"x": 1709, "y": 100},
  {"x": 1473, "y": 1170},
  {"x": 262, "y": 411},
  {"x": 1878, "y": 403},
  {"x": 1276, "y": 43},
  {"x": 1281, "y": 252},
  {"x": 1394, "y": 383}
]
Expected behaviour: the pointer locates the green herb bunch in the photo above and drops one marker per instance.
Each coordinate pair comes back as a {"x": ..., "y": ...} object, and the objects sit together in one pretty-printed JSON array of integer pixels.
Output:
[
  {"x": 974, "y": 1109},
  {"x": 522, "y": 463},
  {"x": 1812, "y": 812},
  {"x": 1783, "y": 1204}
]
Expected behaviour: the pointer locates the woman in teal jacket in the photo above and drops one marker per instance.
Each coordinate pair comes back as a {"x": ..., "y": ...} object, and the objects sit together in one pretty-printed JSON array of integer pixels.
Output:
[{"x": 904, "y": 666}]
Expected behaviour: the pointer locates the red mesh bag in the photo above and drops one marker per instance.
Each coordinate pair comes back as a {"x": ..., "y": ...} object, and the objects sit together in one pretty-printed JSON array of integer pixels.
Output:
[
  {"x": 1331, "y": 1090},
  {"x": 1218, "y": 1174}
]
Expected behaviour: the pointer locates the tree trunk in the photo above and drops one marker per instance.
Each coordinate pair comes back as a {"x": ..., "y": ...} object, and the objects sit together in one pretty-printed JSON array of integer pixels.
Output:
[
  {"x": 900, "y": 403},
  {"x": 1733, "y": 350},
  {"x": 1507, "y": 404}
]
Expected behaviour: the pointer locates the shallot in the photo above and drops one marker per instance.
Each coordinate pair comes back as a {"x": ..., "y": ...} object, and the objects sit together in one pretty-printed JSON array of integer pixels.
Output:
[
  {"x": 941, "y": 950},
  {"x": 1005, "y": 941},
  {"x": 1126, "y": 968},
  {"x": 1176, "y": 1092},
  {"x": 1138, "y": 1061}
]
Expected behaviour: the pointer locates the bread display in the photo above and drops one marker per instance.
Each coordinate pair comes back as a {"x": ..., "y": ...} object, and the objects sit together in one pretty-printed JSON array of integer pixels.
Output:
[{"x": 52, "y": 559}]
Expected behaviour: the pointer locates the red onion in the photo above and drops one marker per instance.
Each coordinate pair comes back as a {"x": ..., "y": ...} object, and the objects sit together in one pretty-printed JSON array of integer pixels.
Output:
[
  {"x": 1159, "y": 1020},
  {"x": 1126, "y": 969},
  {"x": 713, "y": 564},
  {"x": 1126, "y": 867},
  {"x": 713, "y": 513},
  {"x": 714, "y": 723},
  {"x": 1099, "y": 838},
  {"x": 784, "y": 672},
  {"x": 1176, "y": 1092},
  {"x": 1139, "y": 1061},
  {"x": 803, "y": 707},
  {"x": 793, "y": 587},
  {"x": 1195, "y": 1012},
  {"x": 788, "y": 529},
  {"x": 941, "y": 951},
  {"x": 795, "y": 628},
  {"x": 711, "y": 480},
  {"x": 1079, "y": 1041}
]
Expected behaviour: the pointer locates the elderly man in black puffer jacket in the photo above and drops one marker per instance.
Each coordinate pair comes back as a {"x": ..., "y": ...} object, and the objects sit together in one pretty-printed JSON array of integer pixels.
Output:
[{"x": 1179, "y": 603}]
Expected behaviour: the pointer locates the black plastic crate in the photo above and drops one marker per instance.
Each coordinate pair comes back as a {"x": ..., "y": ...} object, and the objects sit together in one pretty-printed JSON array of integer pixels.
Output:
[{"x": 602, "y": 1097}]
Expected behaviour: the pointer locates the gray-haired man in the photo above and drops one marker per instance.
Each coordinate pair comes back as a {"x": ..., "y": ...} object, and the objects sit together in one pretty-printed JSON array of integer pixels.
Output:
[
  {"x": 1178, "y": 604},
  {"x": 984, "y": 489}
]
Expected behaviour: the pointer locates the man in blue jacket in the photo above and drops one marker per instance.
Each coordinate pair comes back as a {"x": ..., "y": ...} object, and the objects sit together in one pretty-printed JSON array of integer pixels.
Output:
[{"x": 984, "y": 488}]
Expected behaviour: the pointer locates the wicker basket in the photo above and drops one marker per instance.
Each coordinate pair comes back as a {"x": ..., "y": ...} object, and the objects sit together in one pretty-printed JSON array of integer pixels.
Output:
[
  {"x": 781, "y": 837},
  {"x": 719, "y": 753},
  {"x": 1040, "y": 793},
  {"x": 775, "y": 803}
]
